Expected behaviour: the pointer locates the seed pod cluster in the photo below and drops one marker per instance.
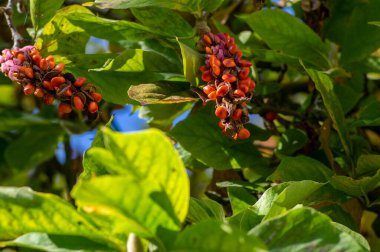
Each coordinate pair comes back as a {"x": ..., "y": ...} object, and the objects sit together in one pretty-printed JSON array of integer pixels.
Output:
[
  {"x": 46, "y": 80},
  {"x": 228, "y": 83}
]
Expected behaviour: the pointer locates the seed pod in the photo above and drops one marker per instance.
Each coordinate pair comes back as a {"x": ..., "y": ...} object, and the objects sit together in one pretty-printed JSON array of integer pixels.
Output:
[
  {"x": 243, "y": 134},
  {"x": 39, "y": 92},
  {"x": 65, "y": 108},
  {"x": 229, "y": 62},
  {"x": 78, "y": 103},
  {"x": 208, "y": 89},
  {"x": 97, "y": 97},
  {"x": 229, "y": 78},
  {"x": 80, "y": 81},
  {"x": 221, "y": 112},
  {"x": 237, "y": 114},
  {"x": 222, "y": 90},
  {"x": 60, "y": 67},
  {"x": 212, "y": 95},
  {"x": 206, "y": 76},
  {"x": 57, "y": 81},
  {"x": 93, "y": 107}
]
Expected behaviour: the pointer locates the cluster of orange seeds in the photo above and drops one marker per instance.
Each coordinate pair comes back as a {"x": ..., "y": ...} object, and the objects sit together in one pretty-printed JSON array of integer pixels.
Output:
[
  {"x": 46, "y": 80},
  {"x": 228, "y": 83}
]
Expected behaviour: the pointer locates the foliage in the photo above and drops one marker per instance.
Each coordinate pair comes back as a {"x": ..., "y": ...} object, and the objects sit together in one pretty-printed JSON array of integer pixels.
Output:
[{"x": 307, "y": 179}]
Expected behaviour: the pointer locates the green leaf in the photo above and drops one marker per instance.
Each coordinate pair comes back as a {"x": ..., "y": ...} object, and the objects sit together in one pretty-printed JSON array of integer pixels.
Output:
[
  {"x": 358, "y": 237},
  {"x": 163, "y": 21},
  {"x": 59, "y": 35},
  {"x": 287, "y": 35},
  {"x": 162, "y": 93},
  {"x": 304, "y": 229},
  {"x": 301, "y": 168},
  {"x": 356, "y": 187},
  {"x": 240, "y": 198},
  {"x": 191, "y": 63},
  {"x": 36, "y": 145},
  {"x": 337, "y": 214},
  {"x": 162, "y": 115},
  {"x": 113, "y": 30},
  {"x": 204, "y": 209},
  {"x": 369, "y": 116},
  {"x": 349, "y": 27},
  {"x": 11, "y": 120},
  {"x": 23, "y": 211},
  {"x": 245, "y": 220},
  {"x": 213, "y": 236},
  {"x": 42, "y": 11},
  {"x": 325, "y": 86},
  {"x": 8, "y": 96},
  {"x": 348, "y": 97},
  {"x": 367, "y": 164},
  {"x": 200, "y": 135},
  {"x": 181, "y": 5},
  {"x": 61, "y": 243},
  {"x": 133, "y": 204},
  {"x": 276, "y": 56},
  {"x": 150, "y": 194},
  {"x": 291, "y": 141}
]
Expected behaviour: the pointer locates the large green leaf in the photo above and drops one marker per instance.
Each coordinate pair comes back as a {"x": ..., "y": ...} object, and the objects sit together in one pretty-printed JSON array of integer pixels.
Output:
[
  {"x": 369, "y": 116},
  {"x": 149, "y": 155},
  {"x": 163, "y": 21},
  {"x": 182, "y": 5},
  {"x": 289, "y": 36},
  {"x": 11, "y": 120},
  {"x": 34, "y": 146},
  {"x": 348, "y": 26},
  {"x": 23, "y": 211},
  {"x": 213, "y": 236},
  {"x": 291, "y": 141},
  {"x": 240, "y": 198},
  {"x": 61, "y": 243},
  {"x": 162, "y": 93},
  {"x": 109, "y": 29},
  {"x": 301, "y": 168},
  {"x": 133, "y": 204},
  {"x": 305, "y": 229},
  {"x": 367, "y": 164},
  {"x": 200, "y": 135},
  {"x": 59, "y": 35},
  {"x": 42, "y": 11},
  {"x": 325, "y": 86}
]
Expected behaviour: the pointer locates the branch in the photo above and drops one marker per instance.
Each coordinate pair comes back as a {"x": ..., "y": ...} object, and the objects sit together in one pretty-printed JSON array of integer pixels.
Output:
[{"x": 8, "y": 13}]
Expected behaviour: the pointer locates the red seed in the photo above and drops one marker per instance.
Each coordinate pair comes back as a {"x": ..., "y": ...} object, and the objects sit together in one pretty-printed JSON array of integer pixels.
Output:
[
  {"x": 21, "y": 56},
  {"x": 206, "y": 76},
  {"x": 222, "y": 90},
  {"x": 243, "y": 134},
  {"x": 216, "y": 70},
  {"x": 97, "y": 97},
  {"x": 57, "y": 81},
  {"x": 233, "y": 49},
  {"x": 29, "y": 89},
  {"x": 39, "y": 92},
  {"x": 78, "y": 103},
  {"x": 270, "y": 116},
  {"x": 214, "y": 61},
  {"x": 245, "y": 63},
  {"x": 36, "y": 59},
  {"x": 229, "y": 63},
  {"x": 68, "y": 92},
  {"x": 244, "y": 88},
  {"x": 93, "y": 107},
  {"x": 237, "y": 114},
  {"x": 60, "y": 67},
  {"x": 239, "y": 93},
  {"x": 65, "y": 108},
  {"x": 48, "y": 99},
  {"x": 27, "y": 71},
  {"x": 239, "y": 54},
  {"x": 80, "y": 81},
  {"x": 231, "y": 41},
  {"x": 229, "y": 78},
  {"x": 44, "y": 64},
  {"x": 208, "y": 50},
  {"x": 252, "y": 85},
  {"x": 212, "y": 95},
  {"x": 221, "y": 112},
  {"x": 47, "y": 84},
  {"x": 207, "y": 39},
  {"x": 51, "y": 61},
  {"x": 203, "y": 68},
  {"x": 208, "y": 89},
  {"x": 245, "y": 82},
  {"x": 244, "y": 73},
  {"x": 221, "y": 125}
]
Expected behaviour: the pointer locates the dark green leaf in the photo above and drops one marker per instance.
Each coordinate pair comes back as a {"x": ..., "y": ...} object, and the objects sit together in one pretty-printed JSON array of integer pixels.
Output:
[
  {"x": 213, "y": 236},
  {"x": 240, "y": 199},
  {"x": 182, "y": 5},
  {"x": 288, "y": 35},
  {"x": 11, "y": 120},
  {"x": 367, "y": 164},
  {"x": 301, "y": 168},
  {"x": 163, "y": 21},
  {"x": 200, "y": 135},
  {"x": 325, "y": 86},
  {"x": 162, "y": 93},
  {"x": 36, "y": 145},
  {"x": 369, "y": 116},
  {"x": 245, "y": 220},
  {"x": 291, "y": 141},
  {"x": 305, "y": 229},
  {"x": 42, "y": 11},
  {"x": 347, "y": 96}
]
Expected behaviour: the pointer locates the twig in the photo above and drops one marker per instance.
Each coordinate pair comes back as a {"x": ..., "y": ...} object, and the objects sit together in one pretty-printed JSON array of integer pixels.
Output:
[{"x": 8, "y": 13}]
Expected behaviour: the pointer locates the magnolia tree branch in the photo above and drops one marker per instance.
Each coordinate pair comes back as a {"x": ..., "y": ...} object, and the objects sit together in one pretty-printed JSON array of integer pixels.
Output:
[{"x": 8, "y": 13}]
